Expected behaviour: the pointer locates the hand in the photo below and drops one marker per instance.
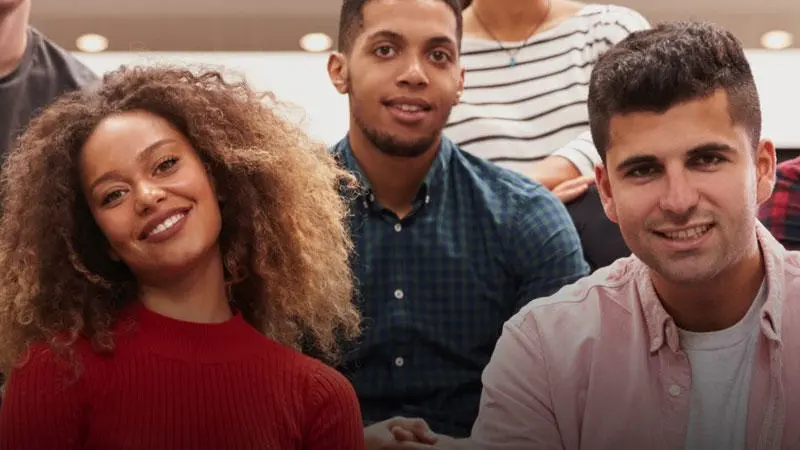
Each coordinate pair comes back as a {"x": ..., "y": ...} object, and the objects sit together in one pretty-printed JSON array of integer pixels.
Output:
[
  {"x": 443, "y": 443},
  {"x": 398, "y": 433},
  {"x": 572, "y": 189}
]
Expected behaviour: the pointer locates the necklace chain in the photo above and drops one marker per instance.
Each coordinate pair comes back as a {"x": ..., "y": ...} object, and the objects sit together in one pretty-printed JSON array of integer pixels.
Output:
[{"x": 512, "y": 53}]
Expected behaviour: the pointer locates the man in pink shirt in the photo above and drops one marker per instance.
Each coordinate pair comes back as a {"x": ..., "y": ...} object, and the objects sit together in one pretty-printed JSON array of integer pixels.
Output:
[{"x": 693, "y": 342}]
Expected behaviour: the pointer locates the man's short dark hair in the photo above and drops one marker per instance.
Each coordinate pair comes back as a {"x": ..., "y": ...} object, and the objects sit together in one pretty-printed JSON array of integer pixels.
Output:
[
  {"x": 654, "y": 70},
  {"x": 351, "y": 19}
]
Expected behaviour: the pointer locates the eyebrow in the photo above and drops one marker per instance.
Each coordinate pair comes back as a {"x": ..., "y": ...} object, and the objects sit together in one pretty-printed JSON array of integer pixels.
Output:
[
  {"x": 395, "y": 36},
  {"x": 143, "y": 155},
  {"x": 696, "y": 151}
]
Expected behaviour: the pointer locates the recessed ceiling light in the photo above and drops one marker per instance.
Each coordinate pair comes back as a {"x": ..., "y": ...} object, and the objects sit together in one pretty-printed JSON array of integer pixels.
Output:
[
  {"x": 776, "y": 39},
  {"x": 316, "y": 42},
  {"x": 92, "y": 43}
]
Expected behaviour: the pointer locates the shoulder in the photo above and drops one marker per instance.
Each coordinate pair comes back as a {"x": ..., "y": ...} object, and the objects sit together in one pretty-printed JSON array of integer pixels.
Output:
[
  {"x": 60, "y": 65},
  {"x": 612, "y": 21},
  {"x": 316, "y": 377},
  {"x": 325, "y": 382},
  {"x": 578, "y": 309},
  {"x": 789, "y": 170},
  {"x": 496, "y": 180},
  {"x": 54, "y": 371},
  {"x": 515, "y": 201}
]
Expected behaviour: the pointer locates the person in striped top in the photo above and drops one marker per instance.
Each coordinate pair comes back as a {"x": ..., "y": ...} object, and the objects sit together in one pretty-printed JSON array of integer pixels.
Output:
[{"x": 524, "y": 104}]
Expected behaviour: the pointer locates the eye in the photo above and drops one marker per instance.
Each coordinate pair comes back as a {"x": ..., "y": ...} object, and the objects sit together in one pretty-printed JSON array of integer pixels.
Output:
[
  {"x": 166, "y": 164},
  {"x": 708, "y": 160},
  {"x": 439, "y": 56},
  {"x": 641, "y": 172},
  {"x": 384, "y": 51},
  {"x": 111, "y": 197}
]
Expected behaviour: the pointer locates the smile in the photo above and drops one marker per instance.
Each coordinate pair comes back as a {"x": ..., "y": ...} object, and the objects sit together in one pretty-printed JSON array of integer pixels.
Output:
[
  {"x": 167, "y": 224},
  {"x": 687, "y": 234},
  {"x": 409, "y": 108}
]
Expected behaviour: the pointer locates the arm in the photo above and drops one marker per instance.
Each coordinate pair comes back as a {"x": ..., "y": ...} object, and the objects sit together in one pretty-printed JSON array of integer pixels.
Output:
[
  {"x": 552, "y": 171},
  {"x": 43, "y": 406},
  {"x": 544, "y": 247},
  {"x": 335, "y": 416},
  {"x": 516, "y": 408}
]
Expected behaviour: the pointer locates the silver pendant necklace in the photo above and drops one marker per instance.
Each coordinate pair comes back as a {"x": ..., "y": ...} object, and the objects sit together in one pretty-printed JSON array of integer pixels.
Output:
[{"x": 512, "y": 53}]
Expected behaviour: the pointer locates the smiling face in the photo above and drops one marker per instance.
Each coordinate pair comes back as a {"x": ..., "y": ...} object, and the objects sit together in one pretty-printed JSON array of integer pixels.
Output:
[
  {"x": 684, "y": 187},
  {"x": 402, "y": 74},
  {"x": 150, "y": 195}
]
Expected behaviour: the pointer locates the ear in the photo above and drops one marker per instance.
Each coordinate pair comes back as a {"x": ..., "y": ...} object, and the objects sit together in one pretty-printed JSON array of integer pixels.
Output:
[
  {"x": 604, "y": 188},
  {"x": 337, "y": 71},
  {"x": 765, "y": 162},
  {"x": 460, "y": 91}
]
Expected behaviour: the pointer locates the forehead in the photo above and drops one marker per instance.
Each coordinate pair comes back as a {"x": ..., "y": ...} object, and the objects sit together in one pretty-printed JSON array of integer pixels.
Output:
[
  {"x": 122, "y": 136},
  {"x": 676, "y": 131},
  {"x": 412, "y": 19},
  {"x": 131, "y": 130}
]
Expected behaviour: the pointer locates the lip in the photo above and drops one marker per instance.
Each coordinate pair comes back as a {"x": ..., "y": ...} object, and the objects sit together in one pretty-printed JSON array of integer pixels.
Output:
[
  {"x": 687, "y": 244},
  {"x": 408, "y": 117},
  {"x": 157, "y": 219}
]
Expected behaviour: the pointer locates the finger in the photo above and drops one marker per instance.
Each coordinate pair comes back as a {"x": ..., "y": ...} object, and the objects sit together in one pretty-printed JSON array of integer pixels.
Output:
[
  {"x": 407, "y": 446},
  {"x": 569, "y": 195},
  {"x": 575, "y": 182},
  {"x": 402, "y": 435},
  {"x": 419, "y": 427}
]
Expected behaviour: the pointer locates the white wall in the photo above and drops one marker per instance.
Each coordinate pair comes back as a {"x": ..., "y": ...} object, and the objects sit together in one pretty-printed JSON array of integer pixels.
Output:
[{"x": 301, "y": 78}]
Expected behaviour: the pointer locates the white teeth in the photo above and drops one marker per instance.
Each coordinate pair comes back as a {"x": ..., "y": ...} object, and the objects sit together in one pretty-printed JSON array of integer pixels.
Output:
[
  {"x": 167, "y": 224},
  {"x": 691, "y": 233},
  {"x": 409, "y": 108}
]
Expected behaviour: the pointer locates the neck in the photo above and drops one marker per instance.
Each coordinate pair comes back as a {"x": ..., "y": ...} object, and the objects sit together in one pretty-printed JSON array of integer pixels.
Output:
[
  {"x": 715, "y": 304},
  {"x": 198, "y": 296},
  {"x": 13, "y": 36},
  {"x": 508, "y": 19},
  {"x": 395, "y": 180}
]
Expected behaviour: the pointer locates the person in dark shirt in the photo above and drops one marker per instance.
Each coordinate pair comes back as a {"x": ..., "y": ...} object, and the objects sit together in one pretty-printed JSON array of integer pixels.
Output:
[
  {"x": 33, "y": 71},
  {"x": 448, "y": 246},
  {"x": 781, "y": 213}
]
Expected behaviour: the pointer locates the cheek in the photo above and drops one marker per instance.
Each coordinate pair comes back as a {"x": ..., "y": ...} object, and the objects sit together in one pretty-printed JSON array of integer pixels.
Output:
[
  {"x": 634, "y": 207},
  {"x": 115, "y": 226}
]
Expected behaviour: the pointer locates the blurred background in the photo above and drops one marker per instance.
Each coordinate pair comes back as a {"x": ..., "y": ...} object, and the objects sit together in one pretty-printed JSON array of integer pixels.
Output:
[{"x": 281, "y": 45}]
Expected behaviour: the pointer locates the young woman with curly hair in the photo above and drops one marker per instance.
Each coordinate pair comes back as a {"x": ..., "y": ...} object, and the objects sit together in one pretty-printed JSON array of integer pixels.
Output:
[{"x": 167, "y": 244}]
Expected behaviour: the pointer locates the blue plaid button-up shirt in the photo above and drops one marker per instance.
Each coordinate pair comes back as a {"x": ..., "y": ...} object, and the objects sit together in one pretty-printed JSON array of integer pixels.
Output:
[{"x": 436, "y": 287}]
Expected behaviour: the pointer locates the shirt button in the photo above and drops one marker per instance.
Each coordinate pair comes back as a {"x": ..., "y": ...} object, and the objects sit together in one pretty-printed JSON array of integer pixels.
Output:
[
  {"x": 398, "y": 227},
  {"x": 674, "y": 390},
  {"x": 366, "y": 205},
  {"x": 372, "y": 197},
  {"x": 399, "y": 362},
  {"x": 427, "y": 199},
  {"x": 398, "y": 294}
]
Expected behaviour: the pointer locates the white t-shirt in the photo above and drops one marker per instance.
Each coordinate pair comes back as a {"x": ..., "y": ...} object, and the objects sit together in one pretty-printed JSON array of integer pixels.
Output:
[
  {"x": 513, "y": 115},
  {"x": 722, "y": 363}
]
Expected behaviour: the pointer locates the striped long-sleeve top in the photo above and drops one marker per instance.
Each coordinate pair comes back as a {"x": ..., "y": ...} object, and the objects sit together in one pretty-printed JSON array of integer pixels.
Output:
[{"x": 516, "y": 114}]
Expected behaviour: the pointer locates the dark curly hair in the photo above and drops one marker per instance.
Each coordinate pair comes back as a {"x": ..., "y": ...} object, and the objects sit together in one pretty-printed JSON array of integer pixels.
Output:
[{"x": 284, "y": 239}]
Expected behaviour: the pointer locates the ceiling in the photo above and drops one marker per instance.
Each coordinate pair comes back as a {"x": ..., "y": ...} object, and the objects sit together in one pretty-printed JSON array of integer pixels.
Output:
[{"x": 277, "y": 25}]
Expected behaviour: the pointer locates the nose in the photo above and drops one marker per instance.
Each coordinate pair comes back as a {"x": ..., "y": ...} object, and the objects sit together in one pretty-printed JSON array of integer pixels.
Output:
[
  {"x": 680, "y": 197},
  {"x": 147, "y": 197},
  {"x": 413, "y": 73}
]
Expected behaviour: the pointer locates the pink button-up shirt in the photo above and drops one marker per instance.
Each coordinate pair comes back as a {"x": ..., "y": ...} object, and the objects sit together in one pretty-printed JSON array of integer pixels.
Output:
[{"x": 598, "y": 365}]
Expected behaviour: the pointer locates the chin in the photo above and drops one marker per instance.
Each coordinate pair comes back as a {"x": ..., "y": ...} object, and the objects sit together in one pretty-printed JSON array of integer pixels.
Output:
[{"x": 179, "y": 263}]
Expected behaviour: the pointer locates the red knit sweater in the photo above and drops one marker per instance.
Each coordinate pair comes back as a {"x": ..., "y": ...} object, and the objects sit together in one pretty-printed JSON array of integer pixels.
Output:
[{"x": 180, "y": 385}]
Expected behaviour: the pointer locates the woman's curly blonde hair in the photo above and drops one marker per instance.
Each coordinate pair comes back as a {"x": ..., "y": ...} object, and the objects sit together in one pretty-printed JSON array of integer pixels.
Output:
[{"x": 284, "y": 239}]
